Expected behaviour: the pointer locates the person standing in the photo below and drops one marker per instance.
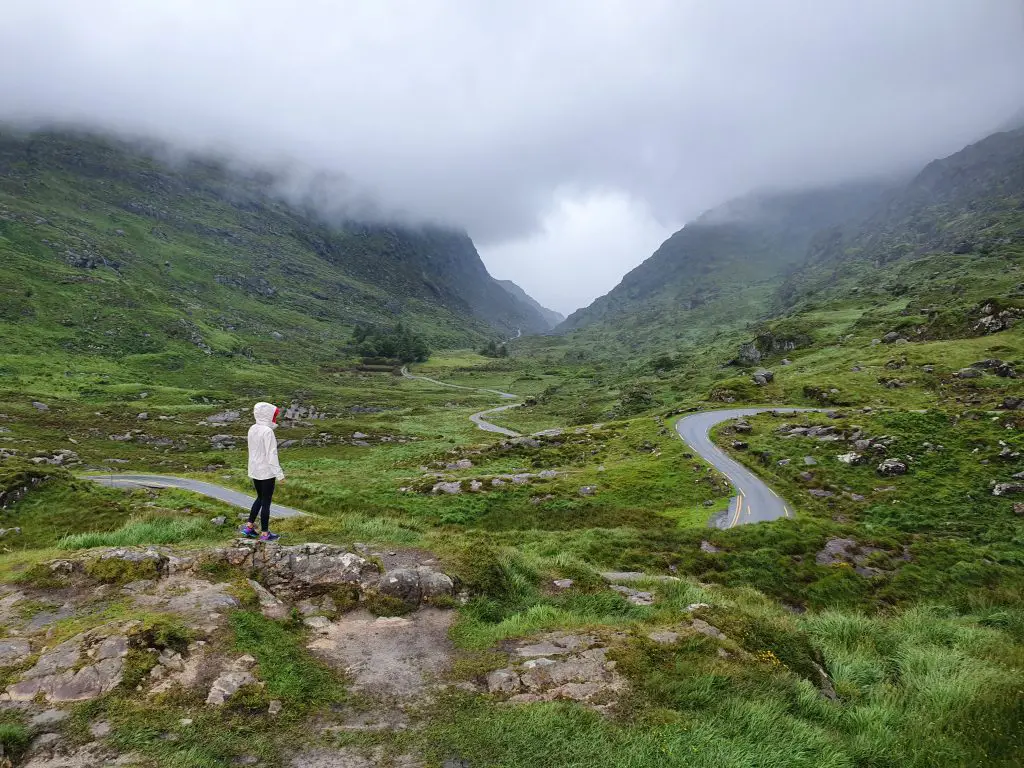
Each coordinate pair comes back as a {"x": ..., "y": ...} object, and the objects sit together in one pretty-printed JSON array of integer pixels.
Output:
[{"x": 264, "y": 469}]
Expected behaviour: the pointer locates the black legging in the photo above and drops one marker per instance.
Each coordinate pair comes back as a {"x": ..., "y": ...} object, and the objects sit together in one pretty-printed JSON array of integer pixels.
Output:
[{"x": 261, "y": 507}]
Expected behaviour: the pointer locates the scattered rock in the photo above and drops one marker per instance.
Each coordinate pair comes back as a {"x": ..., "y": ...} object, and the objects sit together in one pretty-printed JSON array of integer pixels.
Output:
[
  {"x": 968, "y": 373},
  {"x": 707, "y": 546},
  {"x": 40, "y": 406},
  {"x": 891, "y": 467},
  {"x": 460, "y": 464},
  {"x": 587, "y": 490},
  {"x": 229, "y": 682},
  {"x": 891, "y": 337},
  {"x": 707, "y": 629},
  {"x": 810, "y": 461},
  {"x": 818, "y": 493},
  {"x": 270, "y": 606},
  {"x": 1002, "y": 489},
  {"x": 100, "y": 730},
  {"x": 663, "y": 637},
  {"x": 224, "y": 417},
  {"x": 563, "y": 583},
  {"x": 634, "y": 596},
  {"x": 47, "y": 720},
  {"x": 219, "y": 521},
  {"x": 762, "y": 376},
  {"x": 275, "y": 707},
  {"x": 850, "y": 458}
]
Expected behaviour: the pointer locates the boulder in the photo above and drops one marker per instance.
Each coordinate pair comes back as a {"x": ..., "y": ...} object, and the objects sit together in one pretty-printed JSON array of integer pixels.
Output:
[
  {"x": 891, "y": 337},
  {"x": 891, "y": 467},
  {"x": 1003, "y": 489},
  {"x": 228, "y": 683},
  {"x": 968, "y": 373},
  {"x": 850, "y": 458},
  {"x": 415, "y": 585},
  {"x": 762, "y": 376}
]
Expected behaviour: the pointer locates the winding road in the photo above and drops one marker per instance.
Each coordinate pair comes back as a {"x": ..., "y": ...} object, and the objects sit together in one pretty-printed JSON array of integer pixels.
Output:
[
  {"x": 754, "y": 501},
  {"x": 233, "y": 497}
]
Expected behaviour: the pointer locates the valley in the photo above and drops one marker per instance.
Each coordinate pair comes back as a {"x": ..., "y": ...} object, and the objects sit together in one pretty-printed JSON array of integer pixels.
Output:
[{"x": 550, "y": 577}]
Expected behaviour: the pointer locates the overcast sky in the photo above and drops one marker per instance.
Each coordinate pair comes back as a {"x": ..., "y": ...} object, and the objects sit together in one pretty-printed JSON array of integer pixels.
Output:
[{"x": 569, "y": 137}]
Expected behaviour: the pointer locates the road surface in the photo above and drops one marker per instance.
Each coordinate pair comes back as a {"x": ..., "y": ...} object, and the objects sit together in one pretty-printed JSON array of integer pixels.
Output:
[
  {"x": 754, "y": 501},
  {"x": 235, "y": 498},
  {"x": 479, "y": 418}
]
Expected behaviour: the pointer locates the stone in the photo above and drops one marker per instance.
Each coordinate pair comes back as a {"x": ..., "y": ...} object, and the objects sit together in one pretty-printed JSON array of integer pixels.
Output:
[
  {"x": 818, "y": 493},
  {"x": 1002, "y": 489},
  {"x": 451, "y": 488},
  {"x": 292, "y": 573},
  {"x": 810, "y": 461},
  {"x": 634, "y": 596},
  {"x": 563, "y": 583},
  {"x": 739, "y": 445},
  {"x": 663, "y": 638},
  {"x": 850, "y": 458},
  {"x": 100, "y": 730},
  {"x": 219, "y": 521},
  {"x": 14, "y": 650},
  {"x": 587, "y": 490},
  {"x": 270, "y": 606},
  {"x": 224, "y": 417},
  {"x": 503, "y": 681},
  {"x": 414, "y": 585},
  {"x": 40, "y": 406},
  {"x": 806, "y": 477},
  {"x": 275, "y": 707},
  {"x": 696, "y": 607},
  {"x": 460, "y": 464},
  {"x": 317, "y": 623},
  {"x": 891, "y": 467},
  {"x": 47, "y": 720},
  {"x": 359, "y": 436},
  {"x": 707, "y": 629},
  {"x": 142, "y": 416},
  {"x": 1018, "y": 508},
  {"x": 890, "y": 337},
  {"x": 743, "y": 427},
  {"x": 968, "y": 373},
  {"x": 228, "y": 684},
  {"x": 783, "y": 462},
  {"x": 707, "y": 546},
  {"x": 762, "y": 376}
]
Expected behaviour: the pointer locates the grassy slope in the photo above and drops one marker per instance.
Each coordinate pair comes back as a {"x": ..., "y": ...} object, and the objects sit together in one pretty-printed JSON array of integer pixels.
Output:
[{"x": 927, "y": 657}]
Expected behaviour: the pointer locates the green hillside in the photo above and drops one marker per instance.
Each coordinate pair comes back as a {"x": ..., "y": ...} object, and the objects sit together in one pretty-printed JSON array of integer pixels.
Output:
[
  {"x": 107, "y": 252},
  {"x": 464, "y": 598}
]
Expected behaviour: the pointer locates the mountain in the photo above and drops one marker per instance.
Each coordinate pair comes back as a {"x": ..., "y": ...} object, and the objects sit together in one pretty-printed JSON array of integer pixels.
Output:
[
  {"x": 958, "y": 226},
  {"x": 104, "y": 249},
  {"x": 551, "y": 317},
  {"x": 720, "y": 269}
]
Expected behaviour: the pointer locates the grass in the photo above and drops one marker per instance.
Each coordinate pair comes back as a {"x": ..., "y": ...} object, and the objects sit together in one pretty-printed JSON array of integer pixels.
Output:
[
  {"x": 292, "y": 675},
  {"x": 141, "y": 533},
  {"x": 926, "y": 657}
]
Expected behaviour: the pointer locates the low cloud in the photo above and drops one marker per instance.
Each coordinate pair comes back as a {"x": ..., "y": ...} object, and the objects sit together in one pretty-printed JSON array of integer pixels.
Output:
[{"x": 497, "y": 116}]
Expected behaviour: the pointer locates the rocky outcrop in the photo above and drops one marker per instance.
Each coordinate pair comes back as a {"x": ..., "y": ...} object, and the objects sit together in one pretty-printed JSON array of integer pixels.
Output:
[
  {"x": 82, "y": 668},
  {"x": 570, "y": 667}
]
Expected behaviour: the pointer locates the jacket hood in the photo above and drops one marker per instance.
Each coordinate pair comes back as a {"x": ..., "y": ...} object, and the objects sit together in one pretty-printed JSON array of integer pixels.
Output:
[{"x": 264, "y": 414}]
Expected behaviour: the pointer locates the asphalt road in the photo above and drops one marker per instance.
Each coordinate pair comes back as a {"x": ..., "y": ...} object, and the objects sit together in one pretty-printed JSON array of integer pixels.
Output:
[
  {"x": 235, "y": 498},
  {"x": 754, "y": 501},
  {"x": 479, "y": 418}
]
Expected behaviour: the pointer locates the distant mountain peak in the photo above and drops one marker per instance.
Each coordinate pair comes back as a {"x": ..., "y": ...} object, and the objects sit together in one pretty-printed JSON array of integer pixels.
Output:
[{"x": 551, "y": 317}]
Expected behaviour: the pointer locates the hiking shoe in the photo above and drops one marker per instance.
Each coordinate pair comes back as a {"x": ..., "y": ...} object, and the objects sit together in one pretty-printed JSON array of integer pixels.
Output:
[
  {"x": 268, "y": 536},
  {"x": 248, "y": 531}
]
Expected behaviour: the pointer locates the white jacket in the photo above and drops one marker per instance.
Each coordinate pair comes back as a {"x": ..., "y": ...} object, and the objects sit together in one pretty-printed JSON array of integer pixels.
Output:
[{"x": 263, "y": 463}]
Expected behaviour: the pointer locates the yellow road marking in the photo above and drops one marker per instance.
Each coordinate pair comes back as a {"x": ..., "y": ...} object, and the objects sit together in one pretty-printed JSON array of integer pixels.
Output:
[{"x": 739, "y": 507}]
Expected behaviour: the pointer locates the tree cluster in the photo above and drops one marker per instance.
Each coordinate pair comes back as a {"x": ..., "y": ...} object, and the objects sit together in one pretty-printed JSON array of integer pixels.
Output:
[{"x": 398, "y": 343}]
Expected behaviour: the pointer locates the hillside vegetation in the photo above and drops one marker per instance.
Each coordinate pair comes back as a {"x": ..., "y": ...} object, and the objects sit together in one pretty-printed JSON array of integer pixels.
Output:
[{"x": 557, "y": 598}]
